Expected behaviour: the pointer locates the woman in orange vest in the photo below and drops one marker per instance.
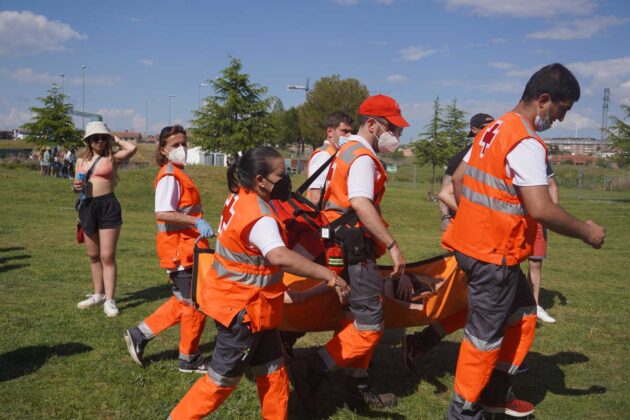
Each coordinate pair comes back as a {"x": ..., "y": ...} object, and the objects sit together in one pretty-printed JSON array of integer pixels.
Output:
[
  {"x": 99, "y": 210},
  {"x": 246, "y": 286},
  {"x": 179, "y": 223}
]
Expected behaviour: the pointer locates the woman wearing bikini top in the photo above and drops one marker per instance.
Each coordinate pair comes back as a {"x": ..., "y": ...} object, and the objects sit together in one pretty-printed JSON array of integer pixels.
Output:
[{"x": 100, "y": 214}]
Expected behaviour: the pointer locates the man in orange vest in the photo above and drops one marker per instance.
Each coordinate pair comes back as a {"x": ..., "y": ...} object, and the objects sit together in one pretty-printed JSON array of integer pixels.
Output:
[
  {"x": 357, "y": 185},
  {"x": 337, "y": 125},
  {"x": 501, "y": 188}
]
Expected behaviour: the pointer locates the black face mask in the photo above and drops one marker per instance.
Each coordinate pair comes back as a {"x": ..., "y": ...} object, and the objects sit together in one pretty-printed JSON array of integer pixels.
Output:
[{"x": 281, "y": 189}]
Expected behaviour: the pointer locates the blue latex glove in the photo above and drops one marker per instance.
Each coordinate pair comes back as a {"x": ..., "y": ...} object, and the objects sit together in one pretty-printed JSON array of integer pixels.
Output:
[{"x": 204, "y": 228}]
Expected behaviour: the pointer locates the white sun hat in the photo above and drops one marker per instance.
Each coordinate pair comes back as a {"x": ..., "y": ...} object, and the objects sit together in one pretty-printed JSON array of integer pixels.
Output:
[{"x": 95, "y": 127}]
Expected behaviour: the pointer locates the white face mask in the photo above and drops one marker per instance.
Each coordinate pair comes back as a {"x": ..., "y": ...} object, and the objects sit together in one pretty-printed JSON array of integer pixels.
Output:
[
  {"x": 540, "y": 124},
  {"x": 387, "y": 142},
  {"x": 178, "y": 155}
]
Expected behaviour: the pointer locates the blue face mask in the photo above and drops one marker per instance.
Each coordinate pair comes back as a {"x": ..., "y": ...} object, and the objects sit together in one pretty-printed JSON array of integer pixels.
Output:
[
  {"x": 540, "y": 124},
  {"x": 343, "y": 140}
]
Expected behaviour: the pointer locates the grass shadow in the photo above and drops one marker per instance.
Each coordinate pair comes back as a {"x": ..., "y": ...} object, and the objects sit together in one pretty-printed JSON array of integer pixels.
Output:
[
  {"x": 150, "y": 294},
  {"x": 547, "y": 298},
  {"x": 27, "y": 360},
  {"x": 11, "y": 259},
  {"x": 12, "y": 248}
]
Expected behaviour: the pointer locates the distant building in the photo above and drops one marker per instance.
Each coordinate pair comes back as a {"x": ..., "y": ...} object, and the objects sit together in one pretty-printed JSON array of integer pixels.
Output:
[
  {"x": 584, "y": 146},
  {"x": 149, "y": 139},
  {"x": 573, "y": 159},
  {"x": 198, "y": 156},
  {"x": 126, "y": 135}
]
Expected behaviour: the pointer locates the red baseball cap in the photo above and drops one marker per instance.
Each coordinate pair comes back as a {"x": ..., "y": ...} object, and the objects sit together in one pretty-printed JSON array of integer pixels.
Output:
[{"x": 383, "y": 106}]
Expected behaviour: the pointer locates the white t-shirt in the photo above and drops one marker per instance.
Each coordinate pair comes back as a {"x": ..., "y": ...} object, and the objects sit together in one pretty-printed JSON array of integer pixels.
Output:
[
  {"x": 167, "y": 194},
  {"x": 314, "y": 164},
  {"x": 362, "y": 173},
  {"x": 265, "y": 235},
  {"x": 526, "y": 164}
]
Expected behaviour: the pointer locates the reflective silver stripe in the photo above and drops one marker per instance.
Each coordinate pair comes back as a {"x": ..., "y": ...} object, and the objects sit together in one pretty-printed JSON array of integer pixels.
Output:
[
  {"x": 224, "y": 381},
  {"x": 348, "y": 154},
  {"x": 165, "y": 227},
  {"x": 188, "y": 357},
  {"x": 263, "y": 206},
  {"x": 527, "y": 127},
  {"x": 177, "y": 294},
  {"x": 240, "y": 257},
  {"x": 369, "y": 327},
  {"x": 195, "y": 208},
  {"x": 506, "y": 367},
  {"x": 248, "y": 279},
  {"x": 327, "y": 358},
  {"x": 490, "y": 180},
  {"x": 521, "y": 313},
  {"x": 492, "y": 203},
  {"x": 332, "y": 206},
  {"x": 466, "y": 405},
  {"x": 355, "y": 372},
  {"x": 148, "y": 332},
  {"x": 268, "y": 368},
  {"x": 438, "y": 329},
  {"x": 481, "y": 344}
]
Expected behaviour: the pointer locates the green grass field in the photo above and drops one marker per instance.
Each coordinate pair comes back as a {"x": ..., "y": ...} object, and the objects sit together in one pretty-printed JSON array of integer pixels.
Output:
[{"x": 60, "y": 362}]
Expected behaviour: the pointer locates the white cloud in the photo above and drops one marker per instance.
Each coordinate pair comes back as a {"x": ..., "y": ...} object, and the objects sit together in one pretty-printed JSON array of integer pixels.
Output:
[
  {"x": 396, "y": 78},
  {"x": 123, "y": 119},
  {"x": 574, "y": 119},
  {"x": 501, "y": 65},
  {"x": 578, "y": 29},
  {"x": 414, "y": 53},
  {"x": 626, "y": 85},
  {"x": 27, "y": 75},
  {"x": 522, "y": 9},
  {"x": 385, "y": 2},
  {"x": 346, "y": 2},
  {"x": 25, "y": 33},
  {"x": 147, "y": 62},
  {"x": 14, "y": 119}
]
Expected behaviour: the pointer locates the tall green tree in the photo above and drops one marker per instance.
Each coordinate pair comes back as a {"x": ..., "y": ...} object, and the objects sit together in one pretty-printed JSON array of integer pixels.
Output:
[
  {"x": 52, "y": 123},
  {"x": 433, "y": 146},
  {"x": 455, "y": 126},
  {"x": 236, "y": 117},
  {"x": 619, "y": 135},
  {"x": 328, "y": 95}
]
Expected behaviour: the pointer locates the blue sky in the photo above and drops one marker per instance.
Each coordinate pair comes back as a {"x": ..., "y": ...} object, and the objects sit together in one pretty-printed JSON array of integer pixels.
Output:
[{"x": 480, "y": 52}]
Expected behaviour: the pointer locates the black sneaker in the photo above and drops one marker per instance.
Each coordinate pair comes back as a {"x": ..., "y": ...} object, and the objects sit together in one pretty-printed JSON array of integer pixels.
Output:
[
  {"x": 364, "y": 396},
  {"x": 409, "y": 353},
  {"x": 197, "y": 365},
  {"x": 136, "y": 342}
]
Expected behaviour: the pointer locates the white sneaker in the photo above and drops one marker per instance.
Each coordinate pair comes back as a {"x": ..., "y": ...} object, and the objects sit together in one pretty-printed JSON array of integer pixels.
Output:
[
  {"x": 544, "y": 316},
  {"x": 91, "y": 301},
  {"x": 110, "y": 308}
]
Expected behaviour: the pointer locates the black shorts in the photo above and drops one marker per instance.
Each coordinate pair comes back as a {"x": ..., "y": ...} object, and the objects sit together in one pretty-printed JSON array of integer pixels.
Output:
[{"x": 101, "y": 212}]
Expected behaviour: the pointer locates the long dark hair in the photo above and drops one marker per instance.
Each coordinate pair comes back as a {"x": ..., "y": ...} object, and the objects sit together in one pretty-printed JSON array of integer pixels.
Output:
[
  {"x": 243, "y": 170},
  {"x": 167, "y": 132}
]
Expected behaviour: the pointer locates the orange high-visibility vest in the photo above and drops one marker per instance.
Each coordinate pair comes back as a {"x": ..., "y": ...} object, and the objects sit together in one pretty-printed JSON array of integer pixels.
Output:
[
  {"x": 491, "y": 222},
  {"x": 175, "y": 243},
  {"x": 240, "y": 276},
  {"x": 336, "y": 197},
  {"x": 328, "y": 148}
]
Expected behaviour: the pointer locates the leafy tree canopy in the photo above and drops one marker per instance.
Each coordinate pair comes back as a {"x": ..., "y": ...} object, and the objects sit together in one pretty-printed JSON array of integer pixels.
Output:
[
  {"x": 52, "y": 124},
  {"x": 236, "y": 117},
  {"x": 619, "y": 135}
]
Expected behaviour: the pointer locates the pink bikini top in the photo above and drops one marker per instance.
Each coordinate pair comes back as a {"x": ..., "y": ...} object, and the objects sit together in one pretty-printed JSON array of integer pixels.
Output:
[{"x": 104, "y": 169}]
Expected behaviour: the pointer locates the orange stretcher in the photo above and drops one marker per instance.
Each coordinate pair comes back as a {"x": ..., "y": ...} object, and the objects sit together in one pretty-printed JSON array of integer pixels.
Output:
[{"x": 447, "y": 295}]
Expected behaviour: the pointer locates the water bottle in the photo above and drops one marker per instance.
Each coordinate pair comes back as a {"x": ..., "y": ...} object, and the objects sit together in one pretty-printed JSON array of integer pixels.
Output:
[{"x": 82, "y": 177}]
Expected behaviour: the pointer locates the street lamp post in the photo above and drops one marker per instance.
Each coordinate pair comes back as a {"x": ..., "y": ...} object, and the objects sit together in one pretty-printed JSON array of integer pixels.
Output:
[
  {"x": 146, "y": 118},
  {"x": 83, "y": 66},
  {"x": 62, "y": 87},
  {"x": 199, "y": 95},
  {"x": 170, "y": 97}
]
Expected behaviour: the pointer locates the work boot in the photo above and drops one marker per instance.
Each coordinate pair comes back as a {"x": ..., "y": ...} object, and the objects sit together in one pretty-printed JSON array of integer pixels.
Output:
[
  {"x": 306, "y": 377},
  {"x": 418, "y": 344},
  {"x": 363, "y": 395},
  {"x": 136, "y": 341},
  {"x": 410, "y": 352},
  {"x": 197, "y": 365}
]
